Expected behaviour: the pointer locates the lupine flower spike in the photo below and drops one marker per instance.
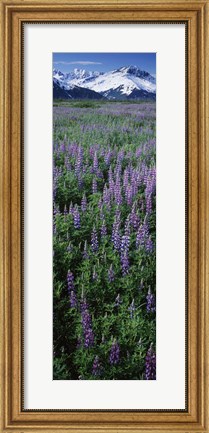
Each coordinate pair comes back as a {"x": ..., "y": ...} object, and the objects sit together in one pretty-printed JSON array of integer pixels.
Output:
[{"x": 114, "y": 353}]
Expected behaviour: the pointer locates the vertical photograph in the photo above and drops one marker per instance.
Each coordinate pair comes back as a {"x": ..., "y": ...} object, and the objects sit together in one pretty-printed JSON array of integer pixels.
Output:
[{"x": 104, "y": 216}]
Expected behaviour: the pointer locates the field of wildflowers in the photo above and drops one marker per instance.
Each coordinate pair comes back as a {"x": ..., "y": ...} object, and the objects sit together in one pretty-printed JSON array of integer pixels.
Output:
[{"x": 104, "y": 241}]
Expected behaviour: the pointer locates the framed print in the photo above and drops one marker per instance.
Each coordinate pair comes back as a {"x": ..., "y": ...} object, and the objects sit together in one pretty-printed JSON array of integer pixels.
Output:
[{"x": 104, "y": 228}]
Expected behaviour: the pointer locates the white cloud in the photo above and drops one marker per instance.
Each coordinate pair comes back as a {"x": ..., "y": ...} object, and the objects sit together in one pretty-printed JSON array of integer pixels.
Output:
[{"x": 78, "y": 63}]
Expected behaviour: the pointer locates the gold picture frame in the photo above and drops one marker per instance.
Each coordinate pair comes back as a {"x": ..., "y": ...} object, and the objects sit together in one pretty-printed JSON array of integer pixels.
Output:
[{"x": 196, "y": 16}]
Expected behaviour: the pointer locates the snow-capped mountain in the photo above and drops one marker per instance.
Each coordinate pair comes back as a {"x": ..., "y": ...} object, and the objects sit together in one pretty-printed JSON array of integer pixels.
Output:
[
  {"x": 58, "y": 75},
  {"x": 72, "y": 91},
  {"x": 74, "y": 78},
  {"x": 81, "y": 74},
  {"x": 127, "y": 82}
]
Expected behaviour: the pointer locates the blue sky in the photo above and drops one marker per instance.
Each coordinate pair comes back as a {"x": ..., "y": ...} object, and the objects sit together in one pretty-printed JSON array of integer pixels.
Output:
[{"x": 104, "y": 62}]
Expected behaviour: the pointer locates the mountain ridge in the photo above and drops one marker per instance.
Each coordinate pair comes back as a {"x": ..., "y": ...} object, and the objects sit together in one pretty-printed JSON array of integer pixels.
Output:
[{"x": 126, "y": 82}]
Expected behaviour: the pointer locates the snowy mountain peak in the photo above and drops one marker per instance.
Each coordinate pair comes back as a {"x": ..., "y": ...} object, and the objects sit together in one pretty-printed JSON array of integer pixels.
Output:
[
  {"x": 128, "y": 69},
  {"x": 58, "y": 74},
  {"x": 125, "y": 82},
  {"x": 137, "y": 72},
  {"x": 81, "y": 74}
]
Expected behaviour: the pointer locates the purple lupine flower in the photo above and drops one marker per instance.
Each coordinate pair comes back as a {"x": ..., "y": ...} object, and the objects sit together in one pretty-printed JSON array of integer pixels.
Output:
[
  {"x": 100, "y": 174},
  {"x": 124, "y": 254},
  {"x": 118, "y": 196},
  {"x": 120, "y": 156},
  {"x": 151, "y": 305},
  {"x": 100, "y": 203},
  {"x": 84, "y": 203},
  {"x": 86, "y": 322},
  {"x": 125, "y": 263},
  {"x": 107, "y": 157},
  {"x": 71, "y": 289},
  {"x": 79, "y": 160},
  {"x": 95, "y": 163},
  {"x": 128, "y": 194},
  {"x": 142, "y": 235},
  {"x": 94, "y": 241},
  {"x": 92, "y": 151},
  {"x": 67, "y": 164},
  {"x": 96, "y": 369},
  {"x": 83, "y": 303},
  {"x": 103, "y": 229},
  {"x": 116, "y": 238},
  {"x": 138, "y": 152},
  {"x": 70, "y": 282},
  {"x": 111, "y": 274},
  {"x": 73, "y": 299},
  {"x": 149, "y": 245},
  {"x": 94, "y": 186},
  {"x": 148, "y": 204},
  {"x": 114, "y": 353},
  {"x": 150, "y": 183},
  {"x": 134, "y": 187},
  {"x": 127, "y": 230},
  {"x": 117, "y": 192},
  {"x": 150, "y": 364},
  {"x": 134, "y": 218},
  {"x": 106, "y": 196},
  {"x": 132, "y": 309},
  {"x": 111, "y": 181},
  {"x": 125, "y": 243},
  {"x": 76, "y": 218},
  {"x": 80, "y": 181},
  {"x": 62, "y": 148},
  {"x": 125, "y": 179},
  {"x": 118, "y": 169}
]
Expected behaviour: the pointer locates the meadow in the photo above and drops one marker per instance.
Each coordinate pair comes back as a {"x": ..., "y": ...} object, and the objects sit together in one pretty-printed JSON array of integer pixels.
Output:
[{"x": 104, "y": 240}]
